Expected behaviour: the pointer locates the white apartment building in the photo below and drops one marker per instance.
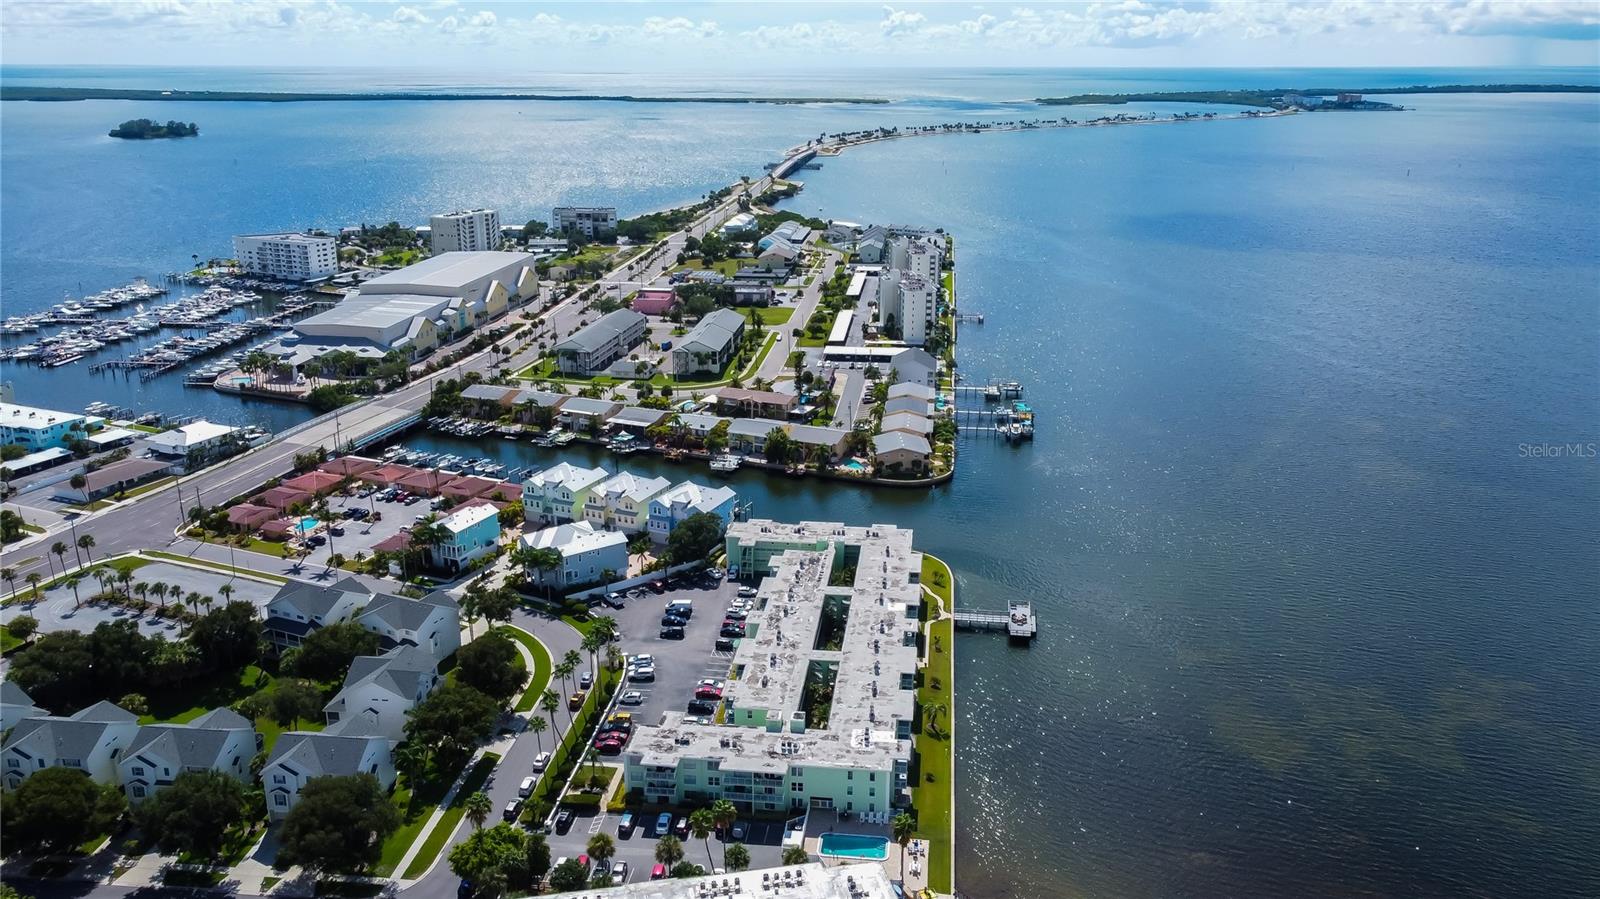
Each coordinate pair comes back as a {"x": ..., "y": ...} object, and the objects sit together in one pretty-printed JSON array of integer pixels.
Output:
[
  {"x": 586, "y": 220},
  {"x": 290, "y": 256},
  {"x": 470, "y": 231},
  {"x": 861, "y": 640},
  {"x": 910, "y": 302}
]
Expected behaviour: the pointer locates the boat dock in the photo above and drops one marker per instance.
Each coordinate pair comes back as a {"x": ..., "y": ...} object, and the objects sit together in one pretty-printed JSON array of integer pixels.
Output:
[{"x": 1018, "y": 621}]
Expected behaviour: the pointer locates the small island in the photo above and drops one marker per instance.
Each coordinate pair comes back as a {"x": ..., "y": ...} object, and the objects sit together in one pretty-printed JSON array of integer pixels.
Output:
[{"x": 145, "y": 129}]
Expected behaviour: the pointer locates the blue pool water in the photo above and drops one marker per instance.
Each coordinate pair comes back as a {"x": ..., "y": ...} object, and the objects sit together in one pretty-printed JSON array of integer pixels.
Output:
[
  {"x": 855, "y": 465},
  {"x": 306, "y": 525},
  {"x": 854, "y": 845}
]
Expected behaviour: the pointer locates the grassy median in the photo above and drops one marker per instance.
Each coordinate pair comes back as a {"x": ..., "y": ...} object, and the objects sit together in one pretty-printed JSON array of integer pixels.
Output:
[{"x": 933, "y": 796}]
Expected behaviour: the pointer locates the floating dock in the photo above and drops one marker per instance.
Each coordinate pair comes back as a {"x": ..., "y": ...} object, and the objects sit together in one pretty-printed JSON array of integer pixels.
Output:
[{"x": 1018, "y": 621}]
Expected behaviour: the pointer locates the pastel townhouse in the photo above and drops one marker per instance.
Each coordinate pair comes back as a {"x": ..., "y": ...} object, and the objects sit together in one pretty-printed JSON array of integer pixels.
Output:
[
  {"x": 672, "y": 506},
  {"x": 557, "y": 494},
  {"x": 471, "y": 532},
  {"x": 622, "y": 502},
  {"x": 432, "y": 623},
  {"x": 587, "y": 554}
]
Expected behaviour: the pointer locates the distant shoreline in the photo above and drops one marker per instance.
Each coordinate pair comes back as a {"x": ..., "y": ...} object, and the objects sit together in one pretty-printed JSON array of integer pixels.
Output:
[
  {"x": 1272, "y": 98},
  {"x": 67, "y": 94}
]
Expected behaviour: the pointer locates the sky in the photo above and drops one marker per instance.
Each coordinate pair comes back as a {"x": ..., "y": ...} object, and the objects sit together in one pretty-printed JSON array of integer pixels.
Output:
[{"x": 689, "y": 37}]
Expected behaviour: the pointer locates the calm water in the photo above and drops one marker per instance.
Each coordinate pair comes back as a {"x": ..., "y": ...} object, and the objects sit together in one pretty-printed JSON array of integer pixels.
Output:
[{"x": 1316, "y": 621}]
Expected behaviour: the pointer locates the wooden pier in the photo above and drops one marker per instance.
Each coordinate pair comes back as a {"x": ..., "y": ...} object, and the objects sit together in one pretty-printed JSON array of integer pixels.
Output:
[{"x": 1018, "y": 621}]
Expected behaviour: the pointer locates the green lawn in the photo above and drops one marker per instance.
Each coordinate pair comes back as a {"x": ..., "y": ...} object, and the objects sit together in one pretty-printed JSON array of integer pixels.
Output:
[
  {"x": 933, "y": 797},
  {"x": 396, "y": 256},
  {"x": 148, "y": 429},
  {"x": 8, "y": 641},
  {"x": 541, "y": 667},
  {"x": 185, "y": 703},
  {"x": 416, "y": 804},
  {"x": 726, "y": 267},
  {"x": 214, "y": 566},
  {"x": 452, "y": 816},
  {"x": 769, "y": 315},
  {"x": 146, "y": 488}
]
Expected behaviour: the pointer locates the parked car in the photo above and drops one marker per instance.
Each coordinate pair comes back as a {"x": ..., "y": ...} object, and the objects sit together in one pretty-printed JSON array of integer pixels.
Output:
[
  {"x": 680, "y": 608},
  {"x": 658, "y": 586},
  {"x": 737, "y": 615},
  {"x": 614, "y": 600},
  {"x": 732, "y": 629},
  {"x": 564, "y": 820},
  {"x": 643, "y": 674},
  {"x": 512, "y": 809},
  {"x": 619, "y": 872},
  {"x": 707, "y": 693},
  {"x": 525, "y": 789},
  {"x": 643, "y": 658},
  {"x": 749, "y": 592},
  {"x": 659, "y": 872},
  {"x": 625, "y": 826},
  {"x": 740, "y": 828},
  {"x": 541, "y": 761},
  {"x": 335, "y": 530},
  {"x": 610, "y": 744},
  {"x": 710, "y": 682},
  {"x": 673, "y": 621},
  {"x": 672, "y": 632},
  {"x": 702, "y": 707},
  {"x": 575, "y": 701},
  {"x": 663, "y": 823},
  {"x": 316, "y": 540},
  {"x": 632, "y": 697},
  {"x": 725, "y": 644},
  {"x": 586, "y": 680},
  {"x": 680, "y": 826},
  {"x": 464, "y": 890}
]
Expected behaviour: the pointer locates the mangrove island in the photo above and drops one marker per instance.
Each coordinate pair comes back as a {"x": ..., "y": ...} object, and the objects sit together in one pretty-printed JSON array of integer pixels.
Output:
[{"x": 146, "y": 129}]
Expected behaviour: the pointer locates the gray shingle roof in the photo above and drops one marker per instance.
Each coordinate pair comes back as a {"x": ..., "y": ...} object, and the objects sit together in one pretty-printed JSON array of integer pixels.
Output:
[
  {"x": 11, "y": 694},
  {"x": 714, "y": 331},
  {"x": 901, "y": 440},
  {"x": 315, "y": 754},
  {"x": 192, "y": 745},
  {"x": 404, "y": 614},
  {"x": 54, "y": 738},
  {"x": 595, "y": 334},
  {"x": 316, "y": 600}
]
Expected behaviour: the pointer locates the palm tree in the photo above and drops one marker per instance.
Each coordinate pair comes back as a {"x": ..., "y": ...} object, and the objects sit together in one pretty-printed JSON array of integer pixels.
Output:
[
  {"x": 227, "y": 592},
  {"x": 564, "y": 670},
  {"x": 478, "y": 808},
  {"x": 592, "y": 641},
  {"x": 724, "y": 814},
  {"x": 428, "y": 533},
  {"x": 411, "y": 760},
  {"x": 33, "y": 583},
  {"x": 141, "y": 588},
  {"x": 702, "y": 822},
  {"x": 125, "y": 578},
  {"x": 104, "y": 577},
  {"x": 796, "y": 855},
  {"x": 60, "y": 550},
  {"x": 86, "y": 543},
  {"x": 549, "y": 701},
  {"x": 639, "y": 545},
  {"x": 669, "y": 850},
  {"x": 601, "y": 847},
  {"x": 538, "y": 725},
  {"x": 738, "y": 857},
  {"x": 160, "y": 591},
  {"x": 10, "y": 575},
  {"x": 73, "y": 580},
  {"x": 903, "y": 826}
]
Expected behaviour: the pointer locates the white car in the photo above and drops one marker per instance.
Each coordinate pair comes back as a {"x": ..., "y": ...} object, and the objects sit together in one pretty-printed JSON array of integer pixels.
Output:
[
  {"x": 525, "y": 789},
  {"x": 643, "y": 673},
  {"x": 747, "y": 592},
  {"x": 632, "y": 697},
  {"x": 541, "y": 762},
  {"x": 643, "y": 658}
]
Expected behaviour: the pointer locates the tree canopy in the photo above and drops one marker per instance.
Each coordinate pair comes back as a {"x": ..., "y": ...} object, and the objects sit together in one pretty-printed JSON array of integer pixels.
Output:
[
  {"x": 694, "y": 537},
  {"x": 452, "y": 719},
  {"x": 492, "y": 666},
  {"x": 338, "y": 826},
  {"x": 327, "y": 652},
  {"x": 194, "y": 813},
  {"x": 57, "y": 809},
  {"x": 501, "y": 849}
]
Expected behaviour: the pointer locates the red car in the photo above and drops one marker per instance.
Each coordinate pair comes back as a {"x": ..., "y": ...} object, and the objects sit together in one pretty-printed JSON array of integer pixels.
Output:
[
  {"x": 707, "y": 693},
  {"x": 609, "y": 746}
]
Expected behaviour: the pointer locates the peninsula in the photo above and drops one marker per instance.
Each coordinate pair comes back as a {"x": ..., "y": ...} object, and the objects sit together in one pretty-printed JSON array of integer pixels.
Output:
[
  {"x": 147, "y": 129},
  {"x": 1276, "y": 97},
  {"x": 22, "y": 92}
]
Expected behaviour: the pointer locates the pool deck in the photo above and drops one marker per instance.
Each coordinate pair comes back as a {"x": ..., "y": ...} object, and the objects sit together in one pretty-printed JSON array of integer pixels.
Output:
[{"x": 821, "y": 821}]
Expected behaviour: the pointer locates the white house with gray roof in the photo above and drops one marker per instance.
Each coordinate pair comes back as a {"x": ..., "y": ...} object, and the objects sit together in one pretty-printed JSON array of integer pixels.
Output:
[
  {"x": 582, "y": 413},
  {"x": 90, "y": 741},
  {"x": 220, "y": 740},
  {"x": 299, "y": 756},
  {"x": 15, "y": 705},
  {"x": 709, "y": 345},
  {"x": 379, "y": 691},
  {"x": 601, "y": 342},
  {"x": 432, "y": 623},
  {"x": 300, "y": 608}
]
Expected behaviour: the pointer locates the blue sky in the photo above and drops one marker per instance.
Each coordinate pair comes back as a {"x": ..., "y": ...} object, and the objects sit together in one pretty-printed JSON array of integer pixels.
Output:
[{"x": 687, "y": 37}]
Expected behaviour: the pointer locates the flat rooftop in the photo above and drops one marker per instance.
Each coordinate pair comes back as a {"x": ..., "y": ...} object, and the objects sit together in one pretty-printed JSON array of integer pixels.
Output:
[
  {"x": 808, "y": 881},
  {"x": 451, "y": 270}
]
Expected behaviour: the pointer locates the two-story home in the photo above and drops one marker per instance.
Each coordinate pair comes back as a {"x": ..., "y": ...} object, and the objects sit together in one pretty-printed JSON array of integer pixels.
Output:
[
  {"x": 220, "y": 740},
  {"x": 558, "y": 493},
  {"x": 471, "y": 532},
  {"x": 15, "y": 705},
  {"x": 378, "y": 691},
  {"x": 673, "y": 505},
  {"x": 299, "y": 756},
  {"x": 587, "y": 553},
  {"x": 299, "y": 608},
  {"x": 585, "y": 415},
  {"x": 91, "y": 741},
  {"x": 622, "y": 502},
  {"x": 432, "y": 623}
]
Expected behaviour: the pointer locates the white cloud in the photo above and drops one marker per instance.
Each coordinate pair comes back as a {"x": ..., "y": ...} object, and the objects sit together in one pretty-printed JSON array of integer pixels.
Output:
[
  {"x": 410, "y": 15},
  {"x": 679, "y": 27}
]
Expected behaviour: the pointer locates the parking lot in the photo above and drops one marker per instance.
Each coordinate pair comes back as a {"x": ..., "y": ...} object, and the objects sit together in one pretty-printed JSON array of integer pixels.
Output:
[
  {"x": 680, "y": 665},
  {"x": 57, "y": 610},
  {"x": 362, "y": 535}
]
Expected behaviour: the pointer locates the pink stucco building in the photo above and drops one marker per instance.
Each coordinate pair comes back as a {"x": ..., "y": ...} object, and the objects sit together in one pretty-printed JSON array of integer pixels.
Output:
[{"x": 654, "y": 300}]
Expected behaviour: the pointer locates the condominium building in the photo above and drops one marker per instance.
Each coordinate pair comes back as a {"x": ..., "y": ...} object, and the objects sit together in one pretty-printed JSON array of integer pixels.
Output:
[
  {"x": 469, "y": 231},
  {"x": 709, "y": 345},
  {"x": 622, "y": 502},
  {"x": 601, "y": 342},
  {"x": 37, "y": 429},
  {"x": 822, "y": 696},
  {"x": 558, "y": 493},
  {"x": 291, "y": 256},
  {"x": 585, "y": 220},
  {"x": 907, "y": 304}
]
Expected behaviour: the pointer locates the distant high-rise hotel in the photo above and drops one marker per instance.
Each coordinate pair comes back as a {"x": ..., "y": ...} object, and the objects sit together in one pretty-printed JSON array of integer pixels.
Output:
[
  {"x": 586, "y": 220},
  {"x": 292, "y": 256},
  {"x": 472, "y": 231}
]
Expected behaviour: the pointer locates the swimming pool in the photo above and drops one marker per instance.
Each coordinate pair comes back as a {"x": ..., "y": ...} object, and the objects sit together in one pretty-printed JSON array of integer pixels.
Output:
[
  {"x": 854, "y": 465},
  {"x": 854, "y": 845},
  {"x": 307, "y": 525}
]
